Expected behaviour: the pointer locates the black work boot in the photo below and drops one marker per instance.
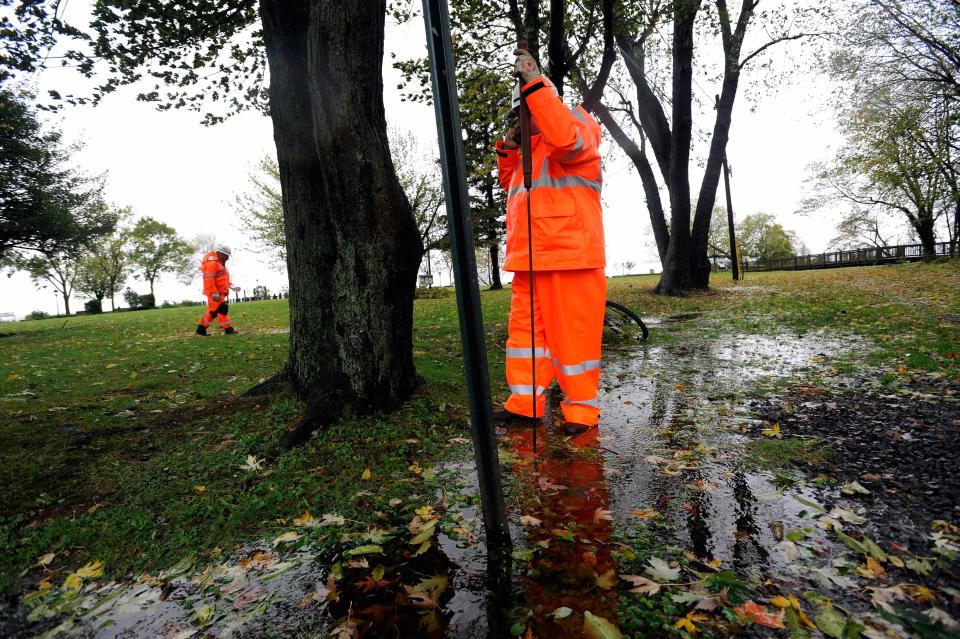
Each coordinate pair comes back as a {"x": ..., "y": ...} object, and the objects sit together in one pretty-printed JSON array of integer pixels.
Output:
[
  {"x": 230, "y": 331},
  {"x": 503, "y": 416},
  {"x": 201, "y": 330},
  {"x": 573, "y": 428}
]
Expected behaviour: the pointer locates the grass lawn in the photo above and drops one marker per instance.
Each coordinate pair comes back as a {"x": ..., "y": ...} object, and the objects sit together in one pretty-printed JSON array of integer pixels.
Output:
[{"x": 125, "y": 438}]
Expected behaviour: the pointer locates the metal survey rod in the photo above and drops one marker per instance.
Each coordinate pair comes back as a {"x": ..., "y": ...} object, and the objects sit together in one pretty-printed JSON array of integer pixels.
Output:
[
  {"x": 446, "y": 104},
  {"x": 526, "y": 156}
]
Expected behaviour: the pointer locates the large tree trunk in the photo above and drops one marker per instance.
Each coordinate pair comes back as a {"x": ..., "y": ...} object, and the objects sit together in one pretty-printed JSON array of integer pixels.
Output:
[
  {"x": 66, "y": 303},
  {"x": 927, "y": 235},
  {"x": 676, "y": 269},
  {"x": 352, "y": 243}
]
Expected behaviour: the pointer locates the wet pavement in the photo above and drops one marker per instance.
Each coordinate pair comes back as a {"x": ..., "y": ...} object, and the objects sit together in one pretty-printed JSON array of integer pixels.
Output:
[{"x": 678, "y": 414}]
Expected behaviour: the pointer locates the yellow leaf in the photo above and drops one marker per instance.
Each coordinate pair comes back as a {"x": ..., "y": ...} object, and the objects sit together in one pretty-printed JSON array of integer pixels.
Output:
[
  {"x": 426, "y": 512},
  {"x": 44, "y": 585},
  {"x": 424, "y": 547},
  {"x": 286, "y": 538},
  {"x": 780, "y": 602},
  {"x": 199, "y": 489},
  {"x": 686, "y": 623},
  {"x": 44, "y": 560},
  {"x": 91, "y": 570},
  {"x": 366, "y": 474},
  {"x": 303, "y": 520},
  {"x": 896, "y": 561},
  {"x": 13, "y": 377},
  {"x": 73, "y": 582},
  {"x": 803, "y": 616},
  {"x": 607, "y": 580},
  {"x": 415, "y": 468},
  {"x": 923, "y": 594},
  {"x": 772, "y": 432},
  {"x": 645, "y": 513}
]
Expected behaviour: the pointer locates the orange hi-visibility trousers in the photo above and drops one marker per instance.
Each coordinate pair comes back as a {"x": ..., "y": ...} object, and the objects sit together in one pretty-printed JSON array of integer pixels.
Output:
[
  {"x": 568, "y": 310},
  {"x": 216, "y": 310}
]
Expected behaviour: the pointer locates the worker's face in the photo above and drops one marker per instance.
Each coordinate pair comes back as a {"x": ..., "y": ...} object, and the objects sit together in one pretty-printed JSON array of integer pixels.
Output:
[
  {"x": 223, "y": 257},
  {"x": 513, "y": 119}
]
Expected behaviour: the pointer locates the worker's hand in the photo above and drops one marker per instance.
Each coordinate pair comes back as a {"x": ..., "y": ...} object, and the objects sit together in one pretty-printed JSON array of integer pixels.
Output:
[
  {"x": 235, "y": 289},
  {"x": 525, "y": 67},
  {"x": 216, "y": 297},
  {"x": 511, "y": 139}
]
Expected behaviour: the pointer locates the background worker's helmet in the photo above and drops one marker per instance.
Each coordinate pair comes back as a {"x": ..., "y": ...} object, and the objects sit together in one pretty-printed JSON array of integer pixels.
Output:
[{"x": 223, "y": 248}]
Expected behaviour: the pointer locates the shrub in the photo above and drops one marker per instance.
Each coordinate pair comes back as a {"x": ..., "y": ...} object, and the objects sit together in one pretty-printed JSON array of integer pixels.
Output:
[
  {"x": 139, "y": 302},
  {"x": 436, "y": 293},
  {"x": 92, "y": 307},
  {"x": 35, "y": 315}
]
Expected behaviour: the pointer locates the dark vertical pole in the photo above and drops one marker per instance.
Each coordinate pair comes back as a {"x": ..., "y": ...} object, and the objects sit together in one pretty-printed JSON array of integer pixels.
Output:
[
  {"x": 734, "y": 253},
  {"x": 447, "y": 108}
]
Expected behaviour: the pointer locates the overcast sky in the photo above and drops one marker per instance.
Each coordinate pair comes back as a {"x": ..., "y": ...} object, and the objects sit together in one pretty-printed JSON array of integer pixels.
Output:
[{"x": 169, "y": 166}]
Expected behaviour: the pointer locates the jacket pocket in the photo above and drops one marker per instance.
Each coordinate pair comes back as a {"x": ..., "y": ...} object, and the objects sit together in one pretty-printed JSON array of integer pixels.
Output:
[{"x": 550, "y": 203}]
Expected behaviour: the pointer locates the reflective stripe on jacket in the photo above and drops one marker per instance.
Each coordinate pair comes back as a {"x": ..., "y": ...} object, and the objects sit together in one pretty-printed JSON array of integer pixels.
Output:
[
  {"x": 216, "y": 279},
  {"x": 565, "y": 195}
]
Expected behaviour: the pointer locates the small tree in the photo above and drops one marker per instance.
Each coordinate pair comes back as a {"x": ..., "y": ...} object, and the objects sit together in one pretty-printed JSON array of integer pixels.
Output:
[
  {"x": 57, "y": 269},
  {"x": 761, "y": 238},
  {"x": 156, "y": 248},
  {"x": 261, "y": 211}
]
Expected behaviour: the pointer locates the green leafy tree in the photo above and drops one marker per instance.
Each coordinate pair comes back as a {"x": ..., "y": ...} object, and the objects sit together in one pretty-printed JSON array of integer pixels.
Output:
[
  {"x": 45, "y": 205},
  {"x": 155, "y": 248},
  {"x": 104, "y": 268},
  {"x": 760, "y": 237},
  {"x": 56, "y": 269},
  {"x": 260, "y": 210}
]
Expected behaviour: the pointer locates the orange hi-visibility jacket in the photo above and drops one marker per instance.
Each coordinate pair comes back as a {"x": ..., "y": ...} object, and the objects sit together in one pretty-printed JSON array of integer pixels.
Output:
[
  {"x": 565, "y": 194},
  {"x": 216, "y": 279}
]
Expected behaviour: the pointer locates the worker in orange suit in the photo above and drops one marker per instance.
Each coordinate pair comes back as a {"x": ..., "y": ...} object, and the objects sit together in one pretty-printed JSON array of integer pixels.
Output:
[
  {"x": 216, "y": 286},
  {"x": 570, "y": 287}
]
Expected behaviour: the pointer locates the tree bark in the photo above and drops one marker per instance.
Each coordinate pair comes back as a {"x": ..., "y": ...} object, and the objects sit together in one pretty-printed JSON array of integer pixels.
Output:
[
  {"x": 927, "y": 234},
  {"x": 556, "y": 49},
  {"x": 66, "y": 303},
  {"x": 676, "y": 269},
  {"x": 353, "y": 249}
]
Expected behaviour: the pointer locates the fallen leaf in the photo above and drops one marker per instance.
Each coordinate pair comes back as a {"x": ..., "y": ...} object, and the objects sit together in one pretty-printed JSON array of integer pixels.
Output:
[
  {"x": 247, "y": 597},
  {"x": 396, "y": 501},
  {"x": 607, "y": 580},
  {"x": 854, "y": 488},
  {"x": 369, "y": 549},
  {"x": 595, "y": 627},
  {"x": 286, "y": 538},
  {"x": 331, "y": 519},
  {"x": 758, "y": 614},
  {"x": 561, "y": 613},
  {"x": 415, "y": 468},
  {"x": 252, "y": 463},
  {"x": 641, "y": 585},
  {"x": 204, "y": 613},
  {"x": 645, "y": 513},
  {"x": 366, "y": 475},
  {"x": 687, "y": 622},
  {"x": 661, "y": 571},
  {"x": 772, "y": 432},
  {"x": 200, "y": 489},
  {"x": 306, "y": 519},
  {"x": 882, "y": 597},
  {"x": 528, "y": 520},
  {"x": 44, "y": 560},
  {"x": 601, "y": 515}
]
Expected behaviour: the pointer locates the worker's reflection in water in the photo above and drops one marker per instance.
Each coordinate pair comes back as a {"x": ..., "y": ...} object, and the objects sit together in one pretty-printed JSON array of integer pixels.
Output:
[{"x": 563, "y": 486}]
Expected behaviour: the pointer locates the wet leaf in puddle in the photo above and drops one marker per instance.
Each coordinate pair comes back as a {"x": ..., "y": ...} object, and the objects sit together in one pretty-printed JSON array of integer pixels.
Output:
[
  {"x": 369, "y": 549},
  {"x": 758, "y": 614},
  {"x": 642, "y": 584},
  {"x": 811, "y": 504},
  {"x": 595, "y": 627},
  {"x": 247, "y": 597},
  {"x": 204, "y": 614},
  {"x": 848, "y": 516},
  {"x": 661, "y": 571},
  {"x": 799, "y": 534},
  {"x": 854, "y": 488},
  {"x": 645, "y": 513},
  {"x": 883, "y": 597},
  {"x": 776, "y": 527},
  {"x": 601, "y": 515},
  {"x": 830, "y": 621},
  {"x": 921, "y": 566},
  {"x": 424, "y": 547}
]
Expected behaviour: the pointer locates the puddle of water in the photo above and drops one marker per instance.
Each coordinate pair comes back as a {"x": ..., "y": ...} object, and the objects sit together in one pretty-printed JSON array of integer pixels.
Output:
[{"x": 665, "y": 444}]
